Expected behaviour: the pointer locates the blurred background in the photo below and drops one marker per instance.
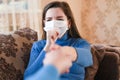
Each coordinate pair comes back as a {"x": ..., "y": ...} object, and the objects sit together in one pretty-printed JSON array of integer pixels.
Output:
[{"x": 98, "y": 21}]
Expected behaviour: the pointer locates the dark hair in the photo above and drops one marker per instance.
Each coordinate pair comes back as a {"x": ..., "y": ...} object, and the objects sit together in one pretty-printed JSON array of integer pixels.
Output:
[{"x": 73, "y": 32}]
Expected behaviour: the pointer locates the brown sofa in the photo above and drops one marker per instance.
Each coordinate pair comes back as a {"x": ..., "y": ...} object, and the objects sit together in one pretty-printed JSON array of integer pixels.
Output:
[{"x": 15, "y": 49}]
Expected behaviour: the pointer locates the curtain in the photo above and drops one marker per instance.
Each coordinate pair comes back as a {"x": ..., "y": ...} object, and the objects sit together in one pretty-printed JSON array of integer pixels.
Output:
[{"x": 15, "y": 14}]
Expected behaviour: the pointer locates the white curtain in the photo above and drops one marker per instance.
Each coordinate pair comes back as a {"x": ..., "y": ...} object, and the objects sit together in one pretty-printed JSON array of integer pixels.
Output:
[{"x": 15, "y": 14}]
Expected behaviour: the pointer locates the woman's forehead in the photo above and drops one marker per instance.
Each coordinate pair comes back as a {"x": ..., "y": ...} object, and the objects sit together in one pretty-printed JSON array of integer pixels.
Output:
[{"x": 55, "y": 12}]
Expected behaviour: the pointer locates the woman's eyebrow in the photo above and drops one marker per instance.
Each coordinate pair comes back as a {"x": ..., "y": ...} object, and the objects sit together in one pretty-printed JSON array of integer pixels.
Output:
[
  {"x": 59, "y": 17},
  {"x": 56, "y": 17}
]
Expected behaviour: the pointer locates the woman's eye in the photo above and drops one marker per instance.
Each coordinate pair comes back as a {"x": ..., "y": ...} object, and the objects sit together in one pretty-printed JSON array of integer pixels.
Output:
[
  {"x": 61, "y": 19},
  {"x": 48, "y": 20}
]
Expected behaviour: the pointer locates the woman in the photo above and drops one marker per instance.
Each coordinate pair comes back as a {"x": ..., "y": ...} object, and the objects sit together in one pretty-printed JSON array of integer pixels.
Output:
[{"x": 59, "y": 28}]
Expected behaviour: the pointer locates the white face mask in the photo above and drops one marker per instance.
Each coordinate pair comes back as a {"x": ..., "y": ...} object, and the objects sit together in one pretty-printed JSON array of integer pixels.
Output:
[{"x": 60, "y": 26}]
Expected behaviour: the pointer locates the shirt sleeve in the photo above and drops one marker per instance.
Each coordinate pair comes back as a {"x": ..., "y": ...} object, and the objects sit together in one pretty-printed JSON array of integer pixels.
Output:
[
  {"x": 48, "y": 72},
  {"x": 84, "y": 56},
  {"x": 36, "y": 60},
  {"x": 36, "y": 51}
]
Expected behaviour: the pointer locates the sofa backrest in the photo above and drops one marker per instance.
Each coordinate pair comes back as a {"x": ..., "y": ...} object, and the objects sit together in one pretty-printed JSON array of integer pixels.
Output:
[{"x": 14, "y": 53}]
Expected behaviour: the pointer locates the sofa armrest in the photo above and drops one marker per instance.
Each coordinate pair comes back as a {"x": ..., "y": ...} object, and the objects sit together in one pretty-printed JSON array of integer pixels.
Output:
[
  {"x": 106, "y": 63},
  {"x": 108, "y": 68}
]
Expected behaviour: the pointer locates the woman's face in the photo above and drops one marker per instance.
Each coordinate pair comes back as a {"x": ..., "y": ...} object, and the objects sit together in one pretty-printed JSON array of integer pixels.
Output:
[{"x": 56, "y": 14}]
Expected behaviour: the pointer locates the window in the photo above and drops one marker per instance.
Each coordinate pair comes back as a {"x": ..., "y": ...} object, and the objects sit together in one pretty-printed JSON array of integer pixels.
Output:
[{"x": 15, "y": 14}]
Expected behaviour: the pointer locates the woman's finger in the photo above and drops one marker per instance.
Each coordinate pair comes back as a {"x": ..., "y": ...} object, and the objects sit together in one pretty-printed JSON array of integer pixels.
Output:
[{"x": 54, "y": 47}]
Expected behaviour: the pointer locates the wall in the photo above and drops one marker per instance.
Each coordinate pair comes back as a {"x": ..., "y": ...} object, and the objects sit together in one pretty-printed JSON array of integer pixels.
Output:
[{"x": 101, "y": 21}]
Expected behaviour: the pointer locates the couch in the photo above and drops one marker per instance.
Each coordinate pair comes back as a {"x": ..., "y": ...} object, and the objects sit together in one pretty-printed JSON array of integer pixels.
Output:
[{"x": 15, "y": 50}]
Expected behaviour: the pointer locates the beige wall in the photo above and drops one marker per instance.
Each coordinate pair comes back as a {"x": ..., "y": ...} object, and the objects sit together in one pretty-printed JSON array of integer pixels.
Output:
[{"x": 101, "y": 21}]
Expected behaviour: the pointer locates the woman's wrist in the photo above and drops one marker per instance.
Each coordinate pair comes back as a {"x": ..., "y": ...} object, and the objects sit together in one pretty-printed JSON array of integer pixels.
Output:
[
  {"x": 47, "y": 47},
  {"x": 74, "y": 54}
]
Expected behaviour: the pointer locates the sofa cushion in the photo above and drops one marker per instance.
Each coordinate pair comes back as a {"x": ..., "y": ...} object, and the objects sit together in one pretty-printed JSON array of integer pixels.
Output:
[
  {"x": 14, "y": 53},
  {"x": 99, "y": 52}
]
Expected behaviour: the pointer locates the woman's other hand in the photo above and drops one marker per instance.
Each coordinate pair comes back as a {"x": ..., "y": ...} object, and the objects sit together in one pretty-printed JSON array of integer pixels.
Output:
[
  {"x": 68, "y": 51},
  {"x": 60, "y": 60},
  {"x": 52, "y": 36}
]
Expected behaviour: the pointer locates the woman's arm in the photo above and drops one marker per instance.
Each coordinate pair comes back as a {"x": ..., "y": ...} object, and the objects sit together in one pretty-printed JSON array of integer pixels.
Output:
[
  {"x": 84, "y": 55},
  {"x": 80, "y": 53},
  {"x": 36, "y": 59}
]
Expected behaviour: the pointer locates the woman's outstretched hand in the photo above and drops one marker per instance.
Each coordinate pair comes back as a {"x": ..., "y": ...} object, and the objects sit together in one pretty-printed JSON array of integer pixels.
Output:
[{"x": 60, "y": 57}]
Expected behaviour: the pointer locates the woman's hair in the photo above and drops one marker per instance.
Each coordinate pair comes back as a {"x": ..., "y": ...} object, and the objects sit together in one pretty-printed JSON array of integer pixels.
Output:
[{"x": 73, "y": 32}]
